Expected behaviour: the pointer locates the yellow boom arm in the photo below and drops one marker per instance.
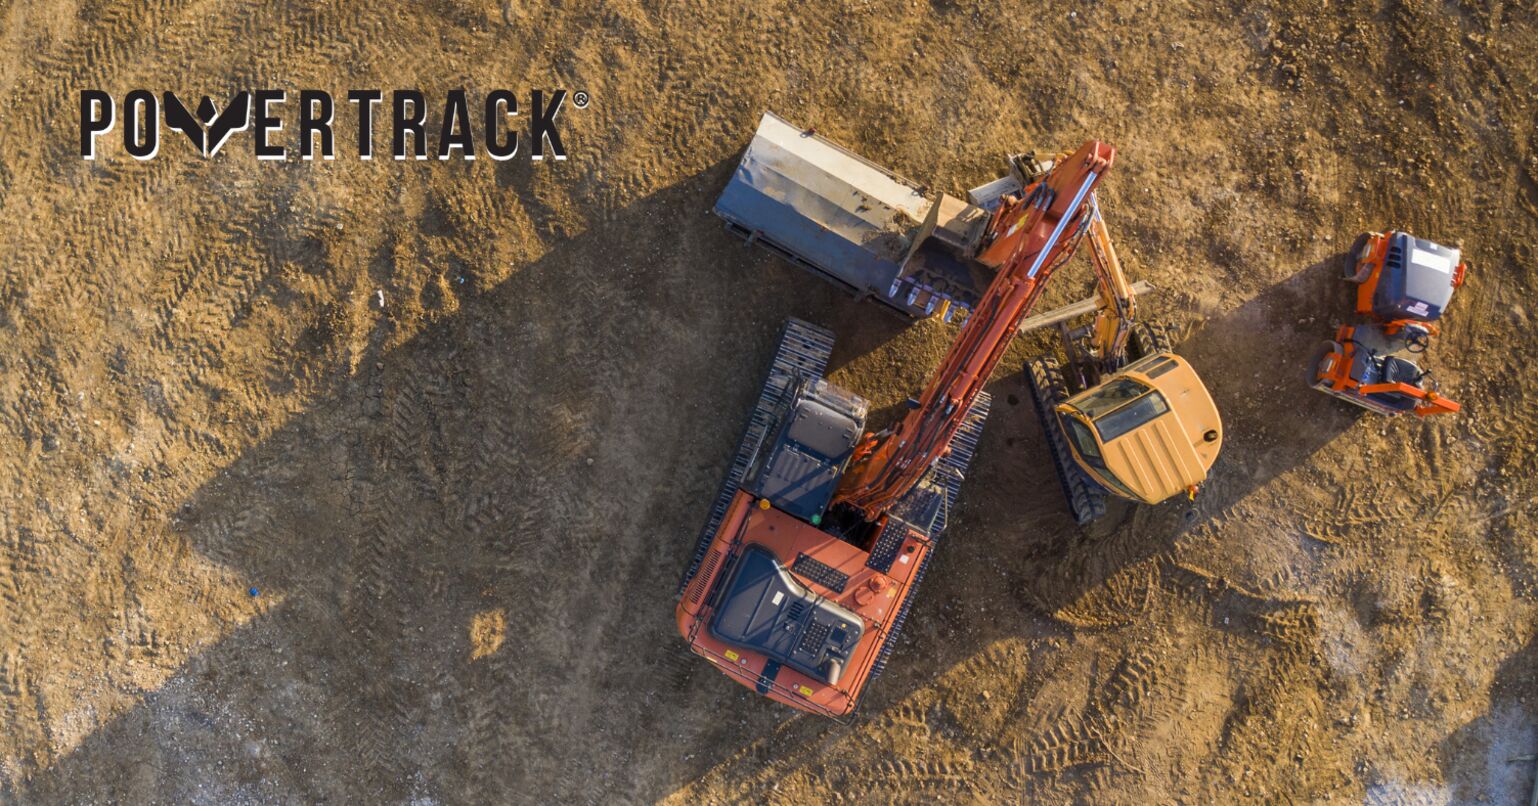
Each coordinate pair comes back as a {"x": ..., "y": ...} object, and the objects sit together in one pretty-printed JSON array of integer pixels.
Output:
[{"x": 1118, "y": 302}]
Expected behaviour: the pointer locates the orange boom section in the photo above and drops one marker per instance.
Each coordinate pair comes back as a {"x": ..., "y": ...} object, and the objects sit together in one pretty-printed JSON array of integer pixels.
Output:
[{"x": 1031, "y": 238}]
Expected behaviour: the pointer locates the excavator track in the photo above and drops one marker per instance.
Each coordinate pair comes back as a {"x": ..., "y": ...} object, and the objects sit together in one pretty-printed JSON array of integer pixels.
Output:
[
  {"x": 1149, "y": 338},
  {"x": 803, "y": 350},
  {"x": 951, "y": 472},
  {"x": 963, "y": 447},
  {"x": 1044, "y": 380}
]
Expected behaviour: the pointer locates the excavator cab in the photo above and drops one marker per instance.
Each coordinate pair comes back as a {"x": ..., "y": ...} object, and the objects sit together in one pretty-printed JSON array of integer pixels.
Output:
[
  {"x": 1142, "y": 431},
  {"x": 819, "y": 426},
  {"x": 1148, "y": 433}
]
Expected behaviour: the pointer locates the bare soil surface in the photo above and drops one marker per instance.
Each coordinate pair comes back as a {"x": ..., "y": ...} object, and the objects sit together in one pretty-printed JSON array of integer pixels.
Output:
[{"x": 464, "y": 510}]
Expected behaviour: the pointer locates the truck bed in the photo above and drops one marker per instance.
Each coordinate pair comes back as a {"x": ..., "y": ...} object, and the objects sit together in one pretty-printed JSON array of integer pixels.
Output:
[{"x": 824, "y": 208}]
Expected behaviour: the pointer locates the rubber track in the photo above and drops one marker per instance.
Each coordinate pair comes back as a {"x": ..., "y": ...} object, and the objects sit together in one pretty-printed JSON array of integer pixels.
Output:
[
  {"x": 950, "y": 475},
  {"x": 803, "y": 350},
  {"x": 1043, "y": 379},
  {"x": 1152, "y": 337}
]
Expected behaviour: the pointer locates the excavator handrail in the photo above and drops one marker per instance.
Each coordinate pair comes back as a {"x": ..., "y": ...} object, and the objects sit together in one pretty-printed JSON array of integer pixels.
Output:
[{"x": 1028, "y": 249}]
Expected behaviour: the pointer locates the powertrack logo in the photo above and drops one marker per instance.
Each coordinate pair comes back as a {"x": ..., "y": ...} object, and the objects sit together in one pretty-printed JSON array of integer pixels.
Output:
[{"x": 262, "y": 112}]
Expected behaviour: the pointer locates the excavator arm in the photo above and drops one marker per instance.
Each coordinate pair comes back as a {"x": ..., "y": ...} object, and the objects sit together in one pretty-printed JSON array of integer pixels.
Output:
[
  {"x": 1118, "y": 302},
  {"x": 1026, "y": 241}
]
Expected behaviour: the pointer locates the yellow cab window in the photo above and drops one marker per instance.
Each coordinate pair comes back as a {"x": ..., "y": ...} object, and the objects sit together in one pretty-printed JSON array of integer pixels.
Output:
[
  {"x": 1130, "y": 416},
  {"x": 1108, "y": 397}
]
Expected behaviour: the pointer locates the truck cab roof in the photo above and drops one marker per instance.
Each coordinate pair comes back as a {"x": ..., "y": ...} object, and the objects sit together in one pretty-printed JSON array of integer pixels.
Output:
[{"x": 1417, "y": 279}]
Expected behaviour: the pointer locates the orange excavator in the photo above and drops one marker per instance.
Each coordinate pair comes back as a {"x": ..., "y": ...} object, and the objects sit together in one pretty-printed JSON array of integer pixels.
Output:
[{"x": 820, "y": 534}]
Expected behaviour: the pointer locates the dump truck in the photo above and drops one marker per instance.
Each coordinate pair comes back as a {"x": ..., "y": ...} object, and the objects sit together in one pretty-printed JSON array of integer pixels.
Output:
[{"x": 858, "y": 225}]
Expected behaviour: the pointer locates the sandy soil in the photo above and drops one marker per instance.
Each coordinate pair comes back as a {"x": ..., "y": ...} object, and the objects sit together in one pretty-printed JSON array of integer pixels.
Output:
[{"x": 465, "y": 511}]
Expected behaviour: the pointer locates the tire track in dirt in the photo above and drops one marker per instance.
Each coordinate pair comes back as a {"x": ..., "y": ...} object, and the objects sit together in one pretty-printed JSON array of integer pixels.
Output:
[{"x": 1143, "y": 688}]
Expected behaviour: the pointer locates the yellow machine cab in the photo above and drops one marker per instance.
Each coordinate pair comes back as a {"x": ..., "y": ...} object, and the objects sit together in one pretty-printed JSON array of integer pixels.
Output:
[{"x": 1147, "y": 433}]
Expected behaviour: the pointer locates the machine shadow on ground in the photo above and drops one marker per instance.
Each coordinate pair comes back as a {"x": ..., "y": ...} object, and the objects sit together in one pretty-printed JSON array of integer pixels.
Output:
[
  {"x": 472, "y": 543},
  {"x": 1493, "y": 754},
  {"x": 474, "y": 540}
]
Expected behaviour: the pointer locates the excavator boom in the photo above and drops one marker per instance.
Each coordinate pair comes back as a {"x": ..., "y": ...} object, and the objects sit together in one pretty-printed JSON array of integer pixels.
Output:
[
  {"x": 1027, "y": 240},
  {"x": 1118, "y": 302}
]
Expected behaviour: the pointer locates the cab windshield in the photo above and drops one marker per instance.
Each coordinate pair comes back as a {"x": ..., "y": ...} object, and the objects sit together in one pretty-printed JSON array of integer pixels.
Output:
[
  {"x": 1109, "y": 397},
  {"x": 1131, "y": 416},
  {"x": 1119, "y": 406}
]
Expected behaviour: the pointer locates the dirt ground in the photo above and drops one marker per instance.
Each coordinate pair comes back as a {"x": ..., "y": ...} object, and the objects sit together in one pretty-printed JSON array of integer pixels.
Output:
[{"x": 464, "y": 511}]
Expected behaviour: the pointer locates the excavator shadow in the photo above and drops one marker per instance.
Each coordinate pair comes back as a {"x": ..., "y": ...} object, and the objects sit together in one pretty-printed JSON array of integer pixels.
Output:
[
  {"x": 1490, "y": 759},
  {"x": 466, "y": 546}
]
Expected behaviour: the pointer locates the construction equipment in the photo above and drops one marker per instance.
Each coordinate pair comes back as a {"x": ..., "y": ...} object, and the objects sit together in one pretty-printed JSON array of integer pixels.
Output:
[
  {"x": 1123, "y": 415},
  {"x": 858, "y": 225},
  {"x": 1403, "y": 285},
  {"x": 820, "y": 534},
  {"x": 852, "y": 222}
]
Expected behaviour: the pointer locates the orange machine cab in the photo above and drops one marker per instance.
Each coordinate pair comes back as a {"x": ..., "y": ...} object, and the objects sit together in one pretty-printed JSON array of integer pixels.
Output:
[{"x": 794, "y": 598}]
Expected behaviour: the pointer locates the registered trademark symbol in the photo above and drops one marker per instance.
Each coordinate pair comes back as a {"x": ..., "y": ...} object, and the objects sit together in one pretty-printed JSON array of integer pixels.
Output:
[{"x": 581, "y": 99}]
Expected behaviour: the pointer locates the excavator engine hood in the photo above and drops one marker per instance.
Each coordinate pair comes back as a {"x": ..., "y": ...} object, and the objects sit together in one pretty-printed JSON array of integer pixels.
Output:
[{"x": 764, "y": 608}]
